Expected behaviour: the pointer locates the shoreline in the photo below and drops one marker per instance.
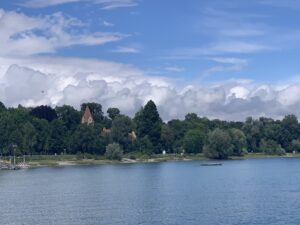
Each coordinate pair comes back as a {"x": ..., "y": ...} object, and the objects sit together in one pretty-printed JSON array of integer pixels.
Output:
[{"x": 62, "y": 162}]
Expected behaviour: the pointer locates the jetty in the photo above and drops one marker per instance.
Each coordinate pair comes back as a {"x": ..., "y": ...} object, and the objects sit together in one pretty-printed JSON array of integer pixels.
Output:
[{"x": 12, "y": 165}]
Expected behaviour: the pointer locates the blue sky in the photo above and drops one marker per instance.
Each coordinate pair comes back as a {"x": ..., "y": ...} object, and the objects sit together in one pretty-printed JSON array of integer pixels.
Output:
[
  {"x": 186, "y": 44},
  {"x": 182, "y": 38}
]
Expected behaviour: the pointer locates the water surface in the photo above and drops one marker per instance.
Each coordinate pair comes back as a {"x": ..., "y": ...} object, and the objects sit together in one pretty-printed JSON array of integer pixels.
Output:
[{"x": 261, "y": 191}]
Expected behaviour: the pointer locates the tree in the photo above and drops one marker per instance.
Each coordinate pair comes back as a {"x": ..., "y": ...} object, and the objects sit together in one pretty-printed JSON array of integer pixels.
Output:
[
  {"x": 87, "y": 139},
  {"x": 114, "y": 152},
  {"x": 271, "y": 147},
  {"x": 96, "y": 110},
  {"x": 167, "y": 137},
  {"x": 193, "y": 141},
  {"x": 58, "y": 136},
  {"x": 2, "y": 107},
  {"x": 149, "y": 124},
  {"x": 44, "y": 112},
  {"x": 218, "y": 145},
  {"x": 253, "y": 134},
  {"x": 238, "y": 141},
  {"x": 289, "y": 131},
  {"x": 70, "y": 116},
  {"x": 113, "y": 113},
  {"x": 145, "y": 145},
  {"x": 121, "y": 126},
  {"x": 29, "y": 138},
  {"x": 295, "y": 145},
  {"x": 43, "y": 131}
]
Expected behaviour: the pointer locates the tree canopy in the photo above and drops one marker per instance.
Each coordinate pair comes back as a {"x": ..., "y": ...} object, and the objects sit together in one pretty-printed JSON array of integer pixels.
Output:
[{"x": 47, "y": 130}]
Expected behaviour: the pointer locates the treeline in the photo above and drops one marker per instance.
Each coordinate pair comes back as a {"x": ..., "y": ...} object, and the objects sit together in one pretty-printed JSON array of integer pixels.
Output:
[{"x": 44, "y": 130}]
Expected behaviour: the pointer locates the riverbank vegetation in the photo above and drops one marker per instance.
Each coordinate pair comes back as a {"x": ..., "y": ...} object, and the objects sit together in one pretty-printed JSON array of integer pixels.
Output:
[{"x": 56, "y": 131}]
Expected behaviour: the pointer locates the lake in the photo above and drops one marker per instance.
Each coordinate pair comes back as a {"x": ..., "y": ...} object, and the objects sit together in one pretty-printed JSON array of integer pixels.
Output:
[{"x": 256, "y": 191}]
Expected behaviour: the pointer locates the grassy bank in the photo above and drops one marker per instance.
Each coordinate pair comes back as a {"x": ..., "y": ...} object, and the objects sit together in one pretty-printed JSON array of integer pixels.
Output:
[{"x": 87, "y": 159}]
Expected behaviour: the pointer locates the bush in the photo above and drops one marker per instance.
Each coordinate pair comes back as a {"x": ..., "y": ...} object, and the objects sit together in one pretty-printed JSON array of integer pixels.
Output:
[
  {"x": 114, "y": 152},
  {"x": 271, "y": 147},
  {"x": 218, "y": 145},
  {"x": 295, "y": 145}
]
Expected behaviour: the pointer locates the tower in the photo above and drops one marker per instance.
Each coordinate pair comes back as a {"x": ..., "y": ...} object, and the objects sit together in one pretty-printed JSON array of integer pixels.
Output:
[{"x": 87, "y": 116}]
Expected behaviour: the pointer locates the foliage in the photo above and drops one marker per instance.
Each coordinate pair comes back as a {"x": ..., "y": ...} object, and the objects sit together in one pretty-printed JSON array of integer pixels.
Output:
[
  {"x": 218, "y": 144},
  {"x": 121, "y": 127},
  {"x": 193, "y": 141},
  {"x": 43, "y": 130},
  {"x": 149, "y": 123},
  {"x": 295, "y": 145},
  {"x": 113, "y": 113},
  {"x": 238, "y": 141},
  {"x": 271, "y": 147},
  {"x": 114, "y": 152},
  {"x": 44, "y": 112},
  {"x": 70, "y": 116}
]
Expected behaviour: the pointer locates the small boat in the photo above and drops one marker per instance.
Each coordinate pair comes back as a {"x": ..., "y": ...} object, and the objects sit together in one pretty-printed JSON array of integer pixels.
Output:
[{"x": 211, "y": 164}]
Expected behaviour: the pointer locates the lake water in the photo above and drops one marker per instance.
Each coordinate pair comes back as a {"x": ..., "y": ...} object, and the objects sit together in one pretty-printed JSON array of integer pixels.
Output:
[{"x": 260, "y": 191}]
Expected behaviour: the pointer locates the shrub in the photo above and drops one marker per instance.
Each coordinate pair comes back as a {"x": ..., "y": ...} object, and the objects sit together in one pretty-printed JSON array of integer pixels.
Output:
[
  {"x": 114, "y": 152},
  {"x": 271, "y": 147},
  {"x": 218, "y": 145}
]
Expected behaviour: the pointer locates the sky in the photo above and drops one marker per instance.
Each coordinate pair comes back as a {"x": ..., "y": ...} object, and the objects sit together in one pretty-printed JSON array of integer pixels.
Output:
[{"x": 220, "y": 59}]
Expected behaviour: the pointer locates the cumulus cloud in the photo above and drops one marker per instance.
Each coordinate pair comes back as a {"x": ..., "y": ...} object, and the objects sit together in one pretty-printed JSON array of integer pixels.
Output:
[
  {"x": 25, "y": 35},
  {"x": 57, "y": 81}
]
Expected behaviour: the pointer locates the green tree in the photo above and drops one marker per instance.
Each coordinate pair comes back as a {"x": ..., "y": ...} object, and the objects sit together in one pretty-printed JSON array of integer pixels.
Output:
[
  {"x": 15, "y": 138},
  {"x": 58, "y": 136},
  {"x": 295, "y": 145},
  {"x": 289, "y": 131},
  {"x": 167, "y": 137},
  {"x": 43, "y": 132},
  {"x": 2, "y": 107},
  {"x": 70, "y": 116},
  {"x": 113, "y": 113},
  {"x": 218, "y": 145},
  {"x": 149, "y": 124},
  {"x": 44, "y": 112},
  {"x": 271, "y": 147},
  {"x": 87, "y": 139},
  {"x": 193, "y": 141},
  {"x": 238, "y": 141},
  {"x": 29, "y": 138},
  {"x": 252, "y": 131},
  {"x": 121, "y": 126},
  {"x": 114, "y": 152}
]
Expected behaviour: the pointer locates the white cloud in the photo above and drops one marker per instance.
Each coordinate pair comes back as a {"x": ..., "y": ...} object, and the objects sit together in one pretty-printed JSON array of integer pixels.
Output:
[
  {"x": 126, "y": 50},
  {"x": 108, "y": 24},
  {"x": 242, "y": 32},
  {"x": 104, "y": 4},
  {"x": 25, "y": 35},
  {"x": 229, "y": 60},
  {"x": 55, "y": 81},
  {"x": 219, "y": 48},
  {"x": 175, "y": 69},
  {"x": 225, "y": 64}
]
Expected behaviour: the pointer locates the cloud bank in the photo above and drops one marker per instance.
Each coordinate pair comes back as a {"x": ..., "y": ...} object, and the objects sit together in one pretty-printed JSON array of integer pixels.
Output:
[{"x": 58, "y": 81}]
